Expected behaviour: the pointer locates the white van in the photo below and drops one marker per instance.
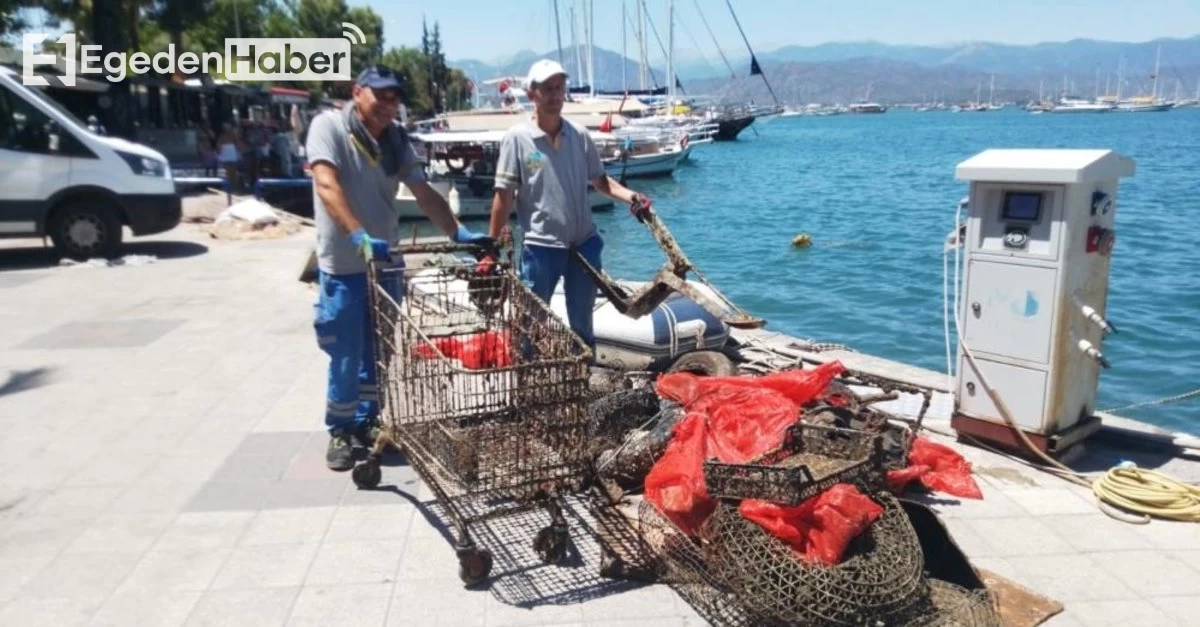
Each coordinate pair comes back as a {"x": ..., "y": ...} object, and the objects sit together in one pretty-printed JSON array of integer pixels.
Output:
[{"x": 57, "y": 178}]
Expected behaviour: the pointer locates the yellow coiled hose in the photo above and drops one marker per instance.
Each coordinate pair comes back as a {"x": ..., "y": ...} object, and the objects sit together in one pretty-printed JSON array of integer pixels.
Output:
[{"x": 1150, "y": 493}]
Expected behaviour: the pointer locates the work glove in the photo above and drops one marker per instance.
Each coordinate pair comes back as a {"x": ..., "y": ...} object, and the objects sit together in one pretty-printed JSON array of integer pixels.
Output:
[
  {"x": 640, "y": 207},
  {"x": 466, "y": 236},
  {"x": 370, "y": 248}
]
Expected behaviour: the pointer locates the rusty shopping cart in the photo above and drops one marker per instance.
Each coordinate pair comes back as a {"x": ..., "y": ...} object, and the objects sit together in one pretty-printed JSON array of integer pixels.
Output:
[{"x": 484, "y": 390}]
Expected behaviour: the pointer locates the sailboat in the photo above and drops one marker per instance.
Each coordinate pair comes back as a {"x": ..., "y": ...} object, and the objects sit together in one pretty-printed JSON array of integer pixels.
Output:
[{"x": 1145, "y": 104}]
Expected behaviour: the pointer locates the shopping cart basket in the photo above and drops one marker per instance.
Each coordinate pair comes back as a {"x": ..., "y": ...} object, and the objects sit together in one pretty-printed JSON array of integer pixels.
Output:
[{"x": 484, "y": 390}]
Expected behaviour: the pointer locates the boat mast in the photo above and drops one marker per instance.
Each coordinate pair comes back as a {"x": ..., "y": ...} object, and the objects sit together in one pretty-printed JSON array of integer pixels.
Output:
[
  {"x": 575, "y": 47},
  {"x": 753, "y": 61},
  {"x": 624, "y": 80},
  {"x": 558, "y": 34},
  {"x": 590, "y": 28},
  {"x": 671, "y": 57},
  {"x": 992, "y": 91},
  {"x": 1120, "y": 76},
  {"x": 642, "y": 43},
  {"x": 1157, "y": 58}
]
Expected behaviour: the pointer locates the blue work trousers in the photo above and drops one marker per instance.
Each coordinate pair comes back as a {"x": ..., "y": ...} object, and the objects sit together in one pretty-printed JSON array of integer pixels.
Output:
[
  {"x": 543, "y": 266},
  {"x": 342, "y": 321}
]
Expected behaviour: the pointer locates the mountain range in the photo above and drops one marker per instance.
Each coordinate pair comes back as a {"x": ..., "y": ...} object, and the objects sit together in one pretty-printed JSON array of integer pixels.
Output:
[{"x": 849, "y": 71}]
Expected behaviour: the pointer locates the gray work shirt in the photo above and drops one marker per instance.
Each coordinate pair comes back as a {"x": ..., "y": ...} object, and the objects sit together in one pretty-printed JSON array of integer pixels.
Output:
[
  {"x": 369, "y": 191},
  {"x": 551, "y": 183}
]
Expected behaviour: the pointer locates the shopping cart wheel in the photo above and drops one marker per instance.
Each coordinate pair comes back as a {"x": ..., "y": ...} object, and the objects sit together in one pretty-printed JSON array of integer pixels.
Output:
[
  {"x": 474, "y": 565},
  {"x": 367, "y": 475},
  {"x": 551, "y": 544}
]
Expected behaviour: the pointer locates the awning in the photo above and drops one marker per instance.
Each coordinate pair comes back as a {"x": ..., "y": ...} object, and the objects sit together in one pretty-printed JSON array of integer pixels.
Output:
[{"x": 287, "y": 95}]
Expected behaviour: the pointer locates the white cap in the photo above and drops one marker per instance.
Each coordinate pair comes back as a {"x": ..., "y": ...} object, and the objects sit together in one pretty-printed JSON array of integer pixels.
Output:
[{"x": 542, "y": 70}]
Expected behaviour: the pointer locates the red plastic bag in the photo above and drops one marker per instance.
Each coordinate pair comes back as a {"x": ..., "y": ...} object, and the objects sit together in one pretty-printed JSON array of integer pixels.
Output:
[
  {"x": 820, "y": 528},
  {"x": 675, "y": 485},
  {"x": 800, "y": 386},
  {"x": 488, "y": 349},
  {"x": 897, "y": 480},
  {"x": 744, "y": 423},
  {"x": 948, "y": 472}
]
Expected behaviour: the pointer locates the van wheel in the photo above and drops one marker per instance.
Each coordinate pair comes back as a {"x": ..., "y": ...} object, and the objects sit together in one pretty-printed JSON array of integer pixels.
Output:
[
  {"x": 708, "y": 363},
  {"x": 82, "y": 231}
]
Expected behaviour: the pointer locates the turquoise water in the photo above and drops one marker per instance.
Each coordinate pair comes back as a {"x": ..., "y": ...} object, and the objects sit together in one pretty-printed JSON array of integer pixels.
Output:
[{"x": 877, "y": 193}]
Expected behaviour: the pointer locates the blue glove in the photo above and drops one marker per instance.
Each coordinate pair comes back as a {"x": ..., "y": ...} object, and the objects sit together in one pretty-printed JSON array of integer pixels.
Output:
[
  {"x": 465, "y": 236},
  {"x": 369, "y": 247}
]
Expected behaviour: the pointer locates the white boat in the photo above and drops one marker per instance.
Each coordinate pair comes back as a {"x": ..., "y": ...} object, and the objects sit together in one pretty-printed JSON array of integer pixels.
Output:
[
  {"x": 649, "y": 165},
  {"x": 1143, "y": 105},
  {"x": 1079, "y": 105},
  {"x": 651, "y": 342},
  {"x": 867, "y": 107}
]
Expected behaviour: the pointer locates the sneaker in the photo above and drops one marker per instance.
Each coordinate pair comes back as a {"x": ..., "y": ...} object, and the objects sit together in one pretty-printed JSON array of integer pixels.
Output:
[
  {"x": 340, "y": 455},
  {"x": 367, "y": 433}
]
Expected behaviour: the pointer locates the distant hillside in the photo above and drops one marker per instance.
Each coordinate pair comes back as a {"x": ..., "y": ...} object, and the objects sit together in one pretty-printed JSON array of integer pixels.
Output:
[{"x": 843, "y": 71}]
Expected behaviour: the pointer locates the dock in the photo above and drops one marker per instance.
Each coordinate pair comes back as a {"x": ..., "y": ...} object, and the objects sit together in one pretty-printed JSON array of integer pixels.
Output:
[{"x": 163, "y": 464}]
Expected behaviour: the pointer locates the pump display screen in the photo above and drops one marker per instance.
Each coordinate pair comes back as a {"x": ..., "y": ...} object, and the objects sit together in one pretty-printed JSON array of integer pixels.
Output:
[{"x": 1023, "y": 206}]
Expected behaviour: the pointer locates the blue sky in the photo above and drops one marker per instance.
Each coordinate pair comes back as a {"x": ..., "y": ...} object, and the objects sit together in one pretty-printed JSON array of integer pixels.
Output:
[{"x": 492, "y": 29}]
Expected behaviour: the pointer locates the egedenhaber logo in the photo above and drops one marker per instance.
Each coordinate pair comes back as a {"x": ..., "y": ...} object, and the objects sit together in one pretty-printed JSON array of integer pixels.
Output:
[{"x": 244, "y": 59}]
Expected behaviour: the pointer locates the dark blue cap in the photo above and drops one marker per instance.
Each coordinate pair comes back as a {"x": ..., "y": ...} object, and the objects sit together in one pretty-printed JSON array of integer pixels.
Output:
[{"x": 381, "y": 77}]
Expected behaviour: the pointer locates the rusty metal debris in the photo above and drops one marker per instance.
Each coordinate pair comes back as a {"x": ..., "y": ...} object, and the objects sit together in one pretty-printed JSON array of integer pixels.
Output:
[
  {"x": 672, "y": 277},
  {"x": 811, "y": 460}
]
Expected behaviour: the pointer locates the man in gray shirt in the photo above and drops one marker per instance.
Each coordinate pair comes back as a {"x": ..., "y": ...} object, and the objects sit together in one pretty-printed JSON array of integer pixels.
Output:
[
  {"x": 359, "y": 156},
  {"x": 551, "y": 160}
]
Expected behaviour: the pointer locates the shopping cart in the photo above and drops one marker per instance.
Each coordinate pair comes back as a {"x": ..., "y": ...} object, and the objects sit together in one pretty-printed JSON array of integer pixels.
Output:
[{"x": 483, "y": 389}]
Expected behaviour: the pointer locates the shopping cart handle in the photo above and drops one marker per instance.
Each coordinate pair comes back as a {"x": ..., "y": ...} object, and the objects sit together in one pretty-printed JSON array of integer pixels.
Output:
[{"x": 434, "y": 248}]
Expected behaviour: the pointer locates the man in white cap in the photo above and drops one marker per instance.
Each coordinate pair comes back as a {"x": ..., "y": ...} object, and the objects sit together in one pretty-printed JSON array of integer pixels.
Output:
[{"x": 550, "y": 161}]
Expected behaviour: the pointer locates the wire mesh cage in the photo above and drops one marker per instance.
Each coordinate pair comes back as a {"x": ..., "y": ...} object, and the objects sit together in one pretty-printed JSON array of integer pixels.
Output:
[
  {"x": 811, "y": 460},
  {"x": 683, "y": 567},
  {"x": 485, "y": 391},
  {"x": 880, "y": 577},
  {"x": 949, "y": 605}
]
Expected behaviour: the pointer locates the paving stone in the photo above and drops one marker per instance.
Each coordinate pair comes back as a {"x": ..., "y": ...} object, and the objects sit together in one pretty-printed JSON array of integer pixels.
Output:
[
  {"x": 237, "y": 608},
  {"x": 102, "y": 334},
  {"x": 1088, "y": 532},
  {"x": 314, "y": 493},
  {"x": 1069, "y": 578},
  {"x": 40, "y": 536},
  {"x": 128, "y": 532},
  {"x": 355, "y": 562},
  {"x": 204, "y": 530},
  {"x": 49, "y": 611},
  {"x": 365, "y": 522},
  {"x": 636, "y": 603},
  {"x": 80, "y": 502},
  {"x": 1183, "y": 609},
  {"x": 288, "y": 526},
  {"x": 137, "y": 608},
  {"x": 82, "y": 575},
  {"x": 350, "y": 605},
  {"x": 1047, "y": 501},
  {"x": 216, "y": 496},
  {"x": 500, "y": 613},
  {"x": 1009, "y": 537},
  {"x": 168, "y": 572},
  {"x": 1150, "y": 573},
  {"x": 266, "y": 566},
  {"x": 15, "y": 572},
  {"x": 437, "y": 602},
  {"x": 155, "y": 498},
  {"x": 1119, "y": 613}
]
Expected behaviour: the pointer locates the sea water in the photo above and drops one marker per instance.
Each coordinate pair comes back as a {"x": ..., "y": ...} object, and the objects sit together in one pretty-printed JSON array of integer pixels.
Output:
[{"x": 877, "y": 194}]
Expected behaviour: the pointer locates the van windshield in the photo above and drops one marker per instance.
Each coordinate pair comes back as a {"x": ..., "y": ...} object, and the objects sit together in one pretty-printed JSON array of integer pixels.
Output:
[{"x": 38, "y": 94}]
